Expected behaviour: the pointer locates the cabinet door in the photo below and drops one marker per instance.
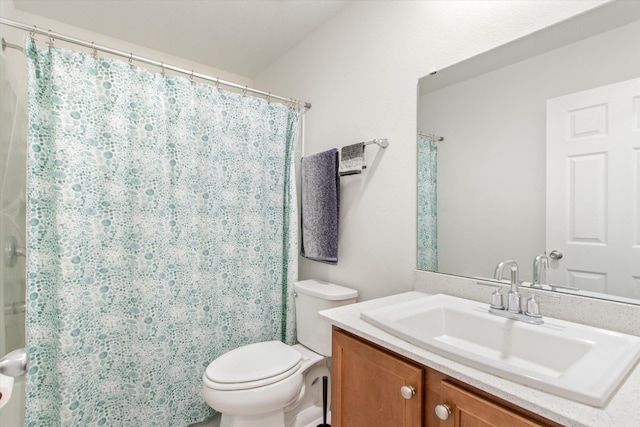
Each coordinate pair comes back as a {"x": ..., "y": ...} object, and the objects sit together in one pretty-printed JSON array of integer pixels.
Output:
[
  {"x": 471, "y": 410},
  {"x": 366, "y": 386}
]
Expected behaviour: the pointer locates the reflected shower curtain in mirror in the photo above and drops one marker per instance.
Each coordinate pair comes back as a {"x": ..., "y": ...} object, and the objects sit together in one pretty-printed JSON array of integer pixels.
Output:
[
  {"x": 161, "y": 233},
  {"x": 427, "y": 204}
]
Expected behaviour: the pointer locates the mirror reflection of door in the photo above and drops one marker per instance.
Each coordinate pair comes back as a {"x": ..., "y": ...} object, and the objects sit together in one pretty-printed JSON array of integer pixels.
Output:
[{"x": 593, "y": 188}]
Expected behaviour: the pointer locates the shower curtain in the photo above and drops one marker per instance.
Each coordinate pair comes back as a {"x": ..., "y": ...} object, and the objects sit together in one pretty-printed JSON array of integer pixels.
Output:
[
  {"x": 161, "y": 233},
  {"x": 427, "y": 204}
]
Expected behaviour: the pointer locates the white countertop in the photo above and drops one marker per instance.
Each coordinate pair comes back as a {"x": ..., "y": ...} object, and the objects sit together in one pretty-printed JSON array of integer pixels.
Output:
[{"x": 621, "y": 411}]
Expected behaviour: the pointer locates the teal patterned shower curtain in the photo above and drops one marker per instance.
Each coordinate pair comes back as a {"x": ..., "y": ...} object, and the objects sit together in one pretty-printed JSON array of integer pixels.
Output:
[
  {"x": 427, "y": 204},
  {"x": 161, "y": 233}
]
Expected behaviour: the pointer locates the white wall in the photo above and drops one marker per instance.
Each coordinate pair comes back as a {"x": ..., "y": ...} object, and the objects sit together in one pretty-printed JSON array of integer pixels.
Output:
[
  {"x": 15, "y": 36},
  {"x": 360, "y": 71}
]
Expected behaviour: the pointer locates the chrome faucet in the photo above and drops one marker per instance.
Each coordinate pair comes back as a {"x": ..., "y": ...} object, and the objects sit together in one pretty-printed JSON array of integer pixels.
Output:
[
  {"x": 513, "y": 309},
  {"x": 540, "y": 266},
  {"x": 514, "y": 304}
]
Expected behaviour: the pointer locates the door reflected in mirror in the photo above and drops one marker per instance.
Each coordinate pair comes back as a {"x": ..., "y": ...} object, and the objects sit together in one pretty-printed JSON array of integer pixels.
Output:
[{"x": 540, "y": 153}]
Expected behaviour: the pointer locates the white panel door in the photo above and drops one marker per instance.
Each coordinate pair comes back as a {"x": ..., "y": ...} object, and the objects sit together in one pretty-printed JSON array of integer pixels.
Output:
[{"x": 593, "y": 188}]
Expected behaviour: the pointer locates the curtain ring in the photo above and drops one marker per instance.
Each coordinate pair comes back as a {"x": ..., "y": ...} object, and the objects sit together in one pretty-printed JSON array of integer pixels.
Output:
[
  {"x": 162, "y": 68},
  {"x": 131, "y": 58},
  {"x": 191, "y": 76},
  {"x": 269, "y": 98},
  {"x": 244, "y": 91},
  {"x": 32, "y": 33},
  {"x": 218, "y": 83},
  {"x": 95, "y": 51},
  {"x": 51, "y": 39}
]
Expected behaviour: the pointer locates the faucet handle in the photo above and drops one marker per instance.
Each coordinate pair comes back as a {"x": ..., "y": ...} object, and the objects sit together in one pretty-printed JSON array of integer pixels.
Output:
[
  {"x": 496, "y": 297},
  {"x": 533, "y": 308},
  {"x": 496, "y": 300}
]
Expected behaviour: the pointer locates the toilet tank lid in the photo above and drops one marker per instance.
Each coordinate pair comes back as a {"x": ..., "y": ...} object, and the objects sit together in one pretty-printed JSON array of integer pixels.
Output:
[{"x": 324, "y": 290}]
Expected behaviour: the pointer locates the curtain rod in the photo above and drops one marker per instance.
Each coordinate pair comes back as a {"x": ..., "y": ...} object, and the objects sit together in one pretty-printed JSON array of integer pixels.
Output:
[
  {"x": 430, "y": 136},
  {"x": 6, "y": 45},
  {"x": 131, "y": 57}
]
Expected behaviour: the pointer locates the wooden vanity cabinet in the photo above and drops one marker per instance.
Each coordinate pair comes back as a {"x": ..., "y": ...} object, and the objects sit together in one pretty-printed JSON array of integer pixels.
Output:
[
  {"x": 470, "y": 409},
  {"x": 367, "y": 391},
  {"x": 367, "y": 385}
]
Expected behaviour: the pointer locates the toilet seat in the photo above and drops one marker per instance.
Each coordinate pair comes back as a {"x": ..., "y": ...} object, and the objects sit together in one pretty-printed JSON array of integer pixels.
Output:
[{"x": 253, "y": 366}]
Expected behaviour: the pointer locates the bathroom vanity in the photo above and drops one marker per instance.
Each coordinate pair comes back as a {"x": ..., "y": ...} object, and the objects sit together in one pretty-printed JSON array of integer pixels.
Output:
[
  {"x": 409, "y": 394},
  {"x": 379, "y": 379}
]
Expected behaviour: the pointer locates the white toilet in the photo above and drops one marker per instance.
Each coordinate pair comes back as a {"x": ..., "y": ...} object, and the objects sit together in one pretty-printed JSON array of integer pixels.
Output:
[{"x": 266, "y": 384}]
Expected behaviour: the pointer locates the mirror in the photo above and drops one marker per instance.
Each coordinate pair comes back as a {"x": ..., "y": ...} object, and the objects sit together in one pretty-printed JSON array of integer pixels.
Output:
[{"x": 530, "y": 161}]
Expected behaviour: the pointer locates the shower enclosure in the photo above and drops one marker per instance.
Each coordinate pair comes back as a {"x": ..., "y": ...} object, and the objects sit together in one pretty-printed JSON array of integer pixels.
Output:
[{"x": 13, "y": 147}]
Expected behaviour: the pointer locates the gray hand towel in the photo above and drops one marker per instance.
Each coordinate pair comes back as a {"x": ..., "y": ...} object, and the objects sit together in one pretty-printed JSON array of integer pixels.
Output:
[
  {"x": 352, "y": 159},
  {"x": 320, "y": 193}
]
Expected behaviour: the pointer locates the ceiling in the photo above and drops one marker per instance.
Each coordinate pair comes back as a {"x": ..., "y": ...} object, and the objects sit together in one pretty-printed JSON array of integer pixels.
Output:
[{"x": 240, "y": 36}]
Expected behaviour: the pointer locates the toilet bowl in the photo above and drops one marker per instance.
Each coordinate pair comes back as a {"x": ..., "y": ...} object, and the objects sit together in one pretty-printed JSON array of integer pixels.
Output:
[{"x": 261, "y": 384}]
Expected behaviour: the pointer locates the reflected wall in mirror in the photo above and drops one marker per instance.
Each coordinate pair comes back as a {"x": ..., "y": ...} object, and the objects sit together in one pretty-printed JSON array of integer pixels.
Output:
[{"x": 541, "y": 152}]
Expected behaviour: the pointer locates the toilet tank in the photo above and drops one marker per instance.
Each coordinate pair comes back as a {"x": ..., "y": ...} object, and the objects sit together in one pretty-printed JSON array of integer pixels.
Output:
[{"x": 313, "y": 296}]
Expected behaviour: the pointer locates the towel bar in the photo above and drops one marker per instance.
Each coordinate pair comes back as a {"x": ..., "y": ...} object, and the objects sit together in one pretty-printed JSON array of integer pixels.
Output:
[{"x": 382, "y": 142}]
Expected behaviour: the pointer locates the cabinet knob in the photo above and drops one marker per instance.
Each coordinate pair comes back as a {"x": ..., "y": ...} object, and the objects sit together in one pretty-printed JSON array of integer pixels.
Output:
[
  {"x": 407, "y": 391},
  {"x": 443, "y": 411}
]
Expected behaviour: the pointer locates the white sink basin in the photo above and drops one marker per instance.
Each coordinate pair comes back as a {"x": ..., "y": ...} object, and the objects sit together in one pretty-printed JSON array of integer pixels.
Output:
[{"x": 567, "y": 359}]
